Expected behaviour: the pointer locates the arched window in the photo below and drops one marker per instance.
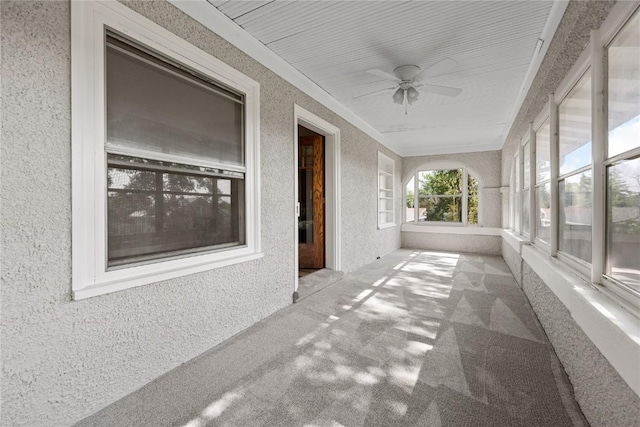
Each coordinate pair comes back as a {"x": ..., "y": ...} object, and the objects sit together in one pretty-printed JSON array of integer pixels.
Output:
[{"x": 442, "y": 195}]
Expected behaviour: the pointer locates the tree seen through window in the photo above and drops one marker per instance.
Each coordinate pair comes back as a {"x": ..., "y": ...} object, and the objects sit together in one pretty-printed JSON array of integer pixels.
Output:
[{"x": 440, "y": 197}]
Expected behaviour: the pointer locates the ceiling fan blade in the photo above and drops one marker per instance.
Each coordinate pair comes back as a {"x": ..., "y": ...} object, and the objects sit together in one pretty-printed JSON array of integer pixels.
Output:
[
  {"x": 389, "y": 89},
  {"x": 441, "y": 90},
  {"x": 383, "y": 74},
  {"x": 441, "y": 67}
]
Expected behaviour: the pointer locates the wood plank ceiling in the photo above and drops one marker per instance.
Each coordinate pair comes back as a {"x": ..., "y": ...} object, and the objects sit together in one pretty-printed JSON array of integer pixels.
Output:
[{"x": 334, "y": 43}]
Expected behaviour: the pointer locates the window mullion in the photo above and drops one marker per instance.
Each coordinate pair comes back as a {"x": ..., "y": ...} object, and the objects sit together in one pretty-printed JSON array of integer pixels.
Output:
[
  {"x": 554, "y": 202},
  {"x": 159, "y": 200},
  {"x": 521, "y": 189},
  {"x": 465, "y": 196},
  {"x": 598, "y": 126},
  {"x": 416, "y": 198},
  {"x": 532, "y": 180}
]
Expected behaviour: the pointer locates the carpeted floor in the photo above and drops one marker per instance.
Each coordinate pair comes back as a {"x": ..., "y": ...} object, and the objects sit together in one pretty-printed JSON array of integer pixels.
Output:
[
  {"x": 317, "y": 280},
  {"x": 414, "y": 339}
]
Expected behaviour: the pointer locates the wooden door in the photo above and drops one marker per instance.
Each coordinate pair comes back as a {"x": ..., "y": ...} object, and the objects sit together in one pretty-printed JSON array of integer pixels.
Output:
[{"x": 311, "y": 197}]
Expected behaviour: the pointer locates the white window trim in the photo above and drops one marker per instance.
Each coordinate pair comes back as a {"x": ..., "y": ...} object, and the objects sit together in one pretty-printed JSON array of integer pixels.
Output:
[
  {"x": 527, "y": 145},
  {"x": 537, "y": 124},
  {"x": 466, "y": 171},
  {"x": 517, "y": 193},
  {"x": 382, "y": 159},
  {"x": 512, "y": 196},
  {"x": 90, "y": 274}
]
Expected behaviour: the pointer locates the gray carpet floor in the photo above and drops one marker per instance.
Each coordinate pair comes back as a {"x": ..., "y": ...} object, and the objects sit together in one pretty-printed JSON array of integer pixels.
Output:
[
  {"x": 416, "y": 338},
  {"x": 317, "y": 280}
]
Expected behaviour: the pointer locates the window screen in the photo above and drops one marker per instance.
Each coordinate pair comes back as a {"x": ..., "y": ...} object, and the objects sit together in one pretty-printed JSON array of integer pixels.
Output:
[
  {"x": 158, "y": 107},
  {"x": 155, "y": 208}
]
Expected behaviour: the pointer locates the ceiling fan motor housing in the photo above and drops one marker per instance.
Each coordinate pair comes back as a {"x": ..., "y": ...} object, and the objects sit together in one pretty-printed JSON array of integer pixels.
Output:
[{"x": 406, "y": 73}]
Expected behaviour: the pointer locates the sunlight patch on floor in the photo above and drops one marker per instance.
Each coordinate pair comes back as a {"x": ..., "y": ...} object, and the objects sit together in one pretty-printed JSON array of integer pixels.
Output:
[{"x": 214, "y": 410}]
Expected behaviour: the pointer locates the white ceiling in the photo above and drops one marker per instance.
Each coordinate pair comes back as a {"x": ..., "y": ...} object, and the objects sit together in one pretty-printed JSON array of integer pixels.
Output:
[{"x": 333, "y": 43}]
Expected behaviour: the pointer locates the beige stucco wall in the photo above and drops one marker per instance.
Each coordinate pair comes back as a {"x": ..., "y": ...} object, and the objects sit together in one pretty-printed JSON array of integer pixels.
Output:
[{"x": 63, "y": 360}]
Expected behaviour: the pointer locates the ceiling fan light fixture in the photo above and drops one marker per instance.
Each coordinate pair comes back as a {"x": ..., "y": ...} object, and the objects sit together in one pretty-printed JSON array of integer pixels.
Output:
[
  {"x": 412, "y": 95},
  {"x": 398, "y": 96}
]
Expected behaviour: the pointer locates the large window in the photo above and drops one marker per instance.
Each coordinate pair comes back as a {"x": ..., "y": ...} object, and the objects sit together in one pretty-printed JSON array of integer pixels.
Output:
[
  {"x": 575, "y": 183},
  {"x": 165, "y": 154},
  {"x": 623, "y": 157},
  {"x": 163, "y": 208},
  {"x": 587, "y": 186},
  {"x": 442, "y": 196}
]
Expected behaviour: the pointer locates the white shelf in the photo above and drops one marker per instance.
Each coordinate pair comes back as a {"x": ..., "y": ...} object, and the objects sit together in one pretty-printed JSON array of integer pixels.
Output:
[{"x": 386, "y": 174}]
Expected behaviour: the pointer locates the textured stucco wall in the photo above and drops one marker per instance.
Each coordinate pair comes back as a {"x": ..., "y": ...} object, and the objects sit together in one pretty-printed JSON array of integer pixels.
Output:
[
  {"x": 63, "y": 360},
  {"x": 486, "y": 164},
  {"x": 513, "y": 260},
  {"x": 489, "y": 245},
  {"x": 604, "y": 397}
]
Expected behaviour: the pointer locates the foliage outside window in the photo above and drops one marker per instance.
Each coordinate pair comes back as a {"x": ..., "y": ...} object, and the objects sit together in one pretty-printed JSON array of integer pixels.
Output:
[
  {"x": 442, "y": 195},
  {"x": 158, "y": 207}
]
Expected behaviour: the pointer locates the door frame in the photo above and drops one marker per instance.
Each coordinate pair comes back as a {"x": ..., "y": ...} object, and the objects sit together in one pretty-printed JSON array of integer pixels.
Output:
[{"x": 331, "y": 135}]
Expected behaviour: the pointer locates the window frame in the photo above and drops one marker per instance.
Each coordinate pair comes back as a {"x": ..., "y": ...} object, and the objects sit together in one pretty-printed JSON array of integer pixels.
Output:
[
  {"x": 579, "y": 264},
  {"x": 540, "y": 121},
  {"x": 517, "y": 194},
  {"x": 592, "y": 59},
  {"x": 526, "y": 152},
  {"x": 608, "y": 37},
  {"x": 384, "y": 163},
  {"x": 90, "y": 275},
  {"x": 466, "y": 171}
]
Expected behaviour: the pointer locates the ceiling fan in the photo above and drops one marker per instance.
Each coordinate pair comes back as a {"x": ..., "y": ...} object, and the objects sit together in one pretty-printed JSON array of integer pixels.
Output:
[{"x": 408, "y": 79}]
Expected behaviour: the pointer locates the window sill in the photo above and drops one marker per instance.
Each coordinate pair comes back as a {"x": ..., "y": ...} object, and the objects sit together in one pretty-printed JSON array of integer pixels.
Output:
[
  {"x": 388, "y": 225},
  {"x": 469, "y": 230},
  {"x": 614, "y": 330},
  {"x": 516, "y": 241},
  {"x": 118, "y": 280}
]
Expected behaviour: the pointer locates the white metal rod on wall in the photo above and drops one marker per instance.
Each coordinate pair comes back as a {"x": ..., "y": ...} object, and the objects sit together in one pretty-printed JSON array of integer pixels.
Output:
[
  {"x": 520, "y": 188},
  {"x": 554, "y": 202},
  {"x": 598, "y": 128}
]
